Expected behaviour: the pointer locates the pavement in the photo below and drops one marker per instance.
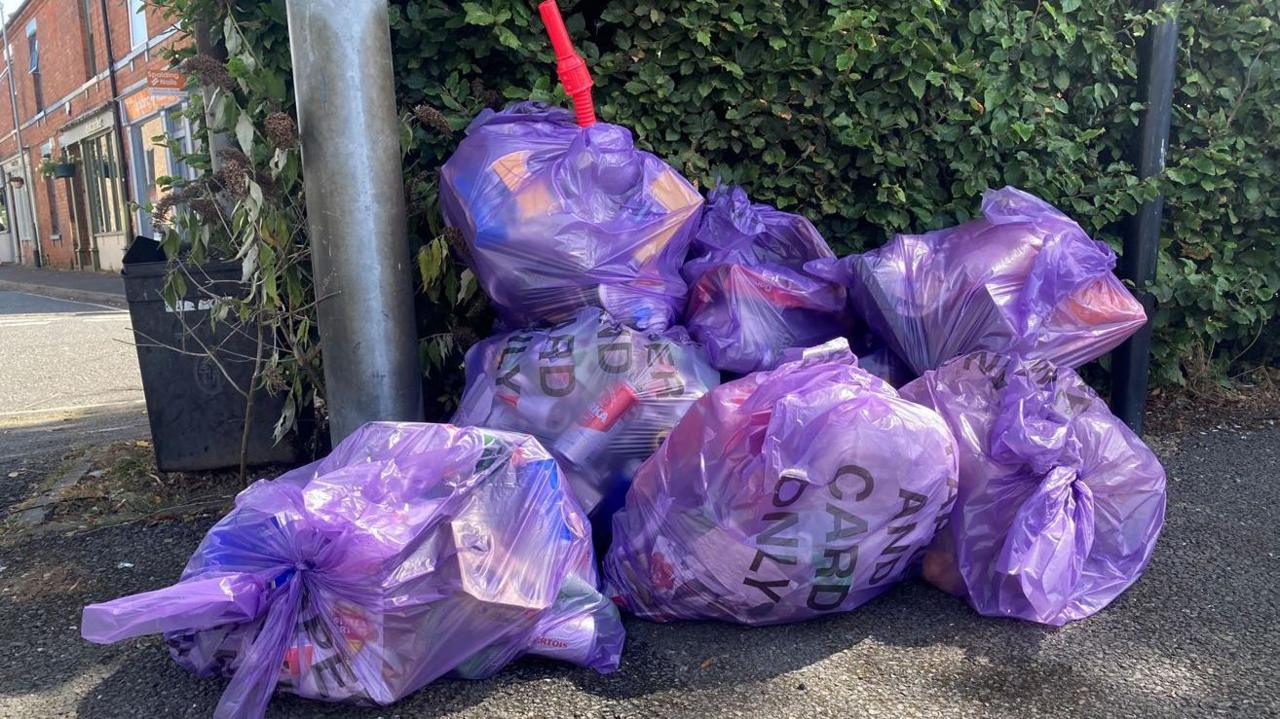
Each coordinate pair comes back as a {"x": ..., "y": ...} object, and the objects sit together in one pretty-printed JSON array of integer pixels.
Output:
[
  {"x": 68, "y": 374},
  {"x": 101, "y": 288},
  {"x": 1198, "y": 635}
]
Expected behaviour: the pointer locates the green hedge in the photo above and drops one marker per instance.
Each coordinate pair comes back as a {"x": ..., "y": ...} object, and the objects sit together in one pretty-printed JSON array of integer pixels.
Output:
[{"x": 873, "y": 118}]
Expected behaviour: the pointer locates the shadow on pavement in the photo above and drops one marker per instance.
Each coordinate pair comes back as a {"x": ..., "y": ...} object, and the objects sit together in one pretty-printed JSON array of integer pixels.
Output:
[
  {"x": 32, "y": 444},
  {"x": 36, "y": 306},
  {"x": 47, "y": 579}
]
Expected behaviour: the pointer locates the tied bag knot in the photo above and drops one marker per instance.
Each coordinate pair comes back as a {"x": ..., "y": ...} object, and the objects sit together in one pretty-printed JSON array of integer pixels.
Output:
[
  {"x": 1052, "y": 531},
  {"x": 317, "y": 567}
]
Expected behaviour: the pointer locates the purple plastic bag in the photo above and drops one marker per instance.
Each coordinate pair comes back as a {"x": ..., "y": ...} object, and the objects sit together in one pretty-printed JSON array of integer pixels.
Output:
[
  {"x": 749, "y": 295},
  {"x": 875, "y": 357},
  {"x": 558, "y": 217},
  {"x": 597, "y": 394},
  {"x": 1022, "y": 279},
  {"x": 783, "y": 496},
  {"x": 1060, "y": 503},
  {"x": 411, "y": 551}
]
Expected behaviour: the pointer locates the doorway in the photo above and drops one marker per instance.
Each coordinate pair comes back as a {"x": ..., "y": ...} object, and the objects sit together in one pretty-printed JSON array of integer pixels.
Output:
[
  {"x": 18, "y": 201},
  {"x": 103, "y": 200},
  {"x": 83, "y": 255},
  {"x": 8, "y": 243}
]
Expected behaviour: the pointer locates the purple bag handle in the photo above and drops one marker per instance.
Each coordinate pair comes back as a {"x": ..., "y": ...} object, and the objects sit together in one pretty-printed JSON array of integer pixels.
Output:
[
  {"x": 301, "y": 559},
  {"x": 191, "y": 605},
  {"x": 1052, "y": 532}
]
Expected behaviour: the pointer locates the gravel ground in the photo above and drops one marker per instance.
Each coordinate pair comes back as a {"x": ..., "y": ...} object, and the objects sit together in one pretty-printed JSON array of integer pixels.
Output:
[{"x": 1199, "y": 635}]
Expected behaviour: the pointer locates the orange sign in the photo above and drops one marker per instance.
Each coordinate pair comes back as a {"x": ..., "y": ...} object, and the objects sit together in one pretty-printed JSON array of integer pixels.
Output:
[
  {"x": 145, "y": 102},
  {"x": 166, "y": 82}
]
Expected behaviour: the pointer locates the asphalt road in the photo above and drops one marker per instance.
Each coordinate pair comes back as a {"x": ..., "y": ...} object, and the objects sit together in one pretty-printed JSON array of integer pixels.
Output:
[
  {"x": 1198, "y": 636},
  {"x": 68, "y": 375}
]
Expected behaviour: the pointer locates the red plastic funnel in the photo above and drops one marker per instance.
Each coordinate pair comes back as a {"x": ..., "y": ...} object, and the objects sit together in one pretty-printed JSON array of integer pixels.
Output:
[{"x": 570, "y": 66}]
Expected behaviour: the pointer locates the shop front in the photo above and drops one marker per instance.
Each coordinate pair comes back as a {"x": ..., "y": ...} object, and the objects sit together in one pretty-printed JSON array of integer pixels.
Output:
[
  {"x": 97, "y": 198},
  {"x": 158, "y": 135}
]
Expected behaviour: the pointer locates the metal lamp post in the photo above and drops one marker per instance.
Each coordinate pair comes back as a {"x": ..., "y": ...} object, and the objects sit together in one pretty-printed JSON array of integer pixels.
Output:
[{"x": 356, "y": 210}]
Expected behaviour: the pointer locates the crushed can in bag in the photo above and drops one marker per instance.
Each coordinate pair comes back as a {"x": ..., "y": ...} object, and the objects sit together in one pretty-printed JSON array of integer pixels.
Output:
[
  {"x": 600, "y": 395},
  {"x": 750, "y": 297},
  {"x": 1060, "y": 502},
  {"x": 595, "y": 427},
  {"x": 1023, "y": 279},
  {"x": 782, "y": 496},
  {"x": 558, "y": 217},
  {"x": 411, "y": 552}
]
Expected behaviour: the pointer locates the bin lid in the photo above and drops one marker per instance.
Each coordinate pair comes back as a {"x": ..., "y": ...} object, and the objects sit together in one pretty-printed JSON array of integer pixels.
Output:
[{"x": 143, "y": 251}]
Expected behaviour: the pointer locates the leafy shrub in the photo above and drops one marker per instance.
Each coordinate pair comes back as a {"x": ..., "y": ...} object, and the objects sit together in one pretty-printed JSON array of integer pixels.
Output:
[{"x": 873, "y": 118}]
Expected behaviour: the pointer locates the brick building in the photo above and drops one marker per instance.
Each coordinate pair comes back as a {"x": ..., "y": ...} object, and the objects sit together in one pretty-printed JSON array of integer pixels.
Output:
[{"x": 85, "y": 80}]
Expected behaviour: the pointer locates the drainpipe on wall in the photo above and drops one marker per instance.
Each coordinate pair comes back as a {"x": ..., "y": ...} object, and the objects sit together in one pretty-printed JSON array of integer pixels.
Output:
[
  {"x": 121, "y": 138},
  {"x": 38, "y": 256}
]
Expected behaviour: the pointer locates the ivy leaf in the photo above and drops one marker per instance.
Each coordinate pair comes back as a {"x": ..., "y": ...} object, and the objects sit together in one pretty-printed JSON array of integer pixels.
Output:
[
  {"x": 278, "y": 161},
  {"x": 231, "y": 36},
  {"x": 249, "y": 264},
  {"x": 223, "y": 109},
  {"x": 288, "y": 414},
  {"x": 1205, "y": 165},
  {"x": 466, "y": 285},
  {"x": 1023, "y": 129}
]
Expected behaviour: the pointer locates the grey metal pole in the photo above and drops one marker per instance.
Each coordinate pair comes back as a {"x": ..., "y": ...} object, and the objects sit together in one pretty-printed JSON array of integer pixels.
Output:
[
  {"x": 1131, "y": 362},
  {"x": 347, "y": 120},
  {"x": 218, "y": 140}
]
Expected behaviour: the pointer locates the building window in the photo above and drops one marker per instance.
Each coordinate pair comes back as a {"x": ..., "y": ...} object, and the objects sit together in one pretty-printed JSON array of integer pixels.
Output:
[
  {"x": 152, "y": 139},
  {"x": 137, "y": 22},
  {"x": 33, "y": 51},
  {"x": 102, "y": 180},
  {"x": 90, "y": 50}
]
